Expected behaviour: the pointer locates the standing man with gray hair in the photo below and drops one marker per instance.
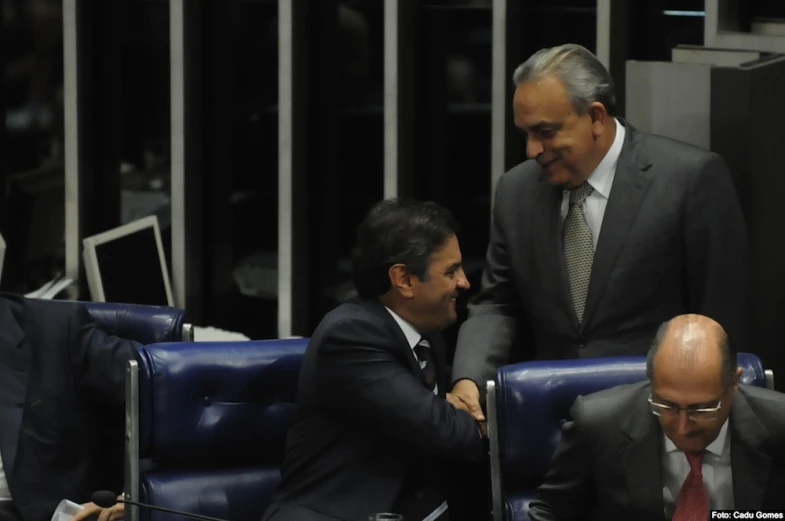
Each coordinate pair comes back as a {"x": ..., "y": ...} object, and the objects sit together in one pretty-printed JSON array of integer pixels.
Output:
[{"x": 602, "y": 235}]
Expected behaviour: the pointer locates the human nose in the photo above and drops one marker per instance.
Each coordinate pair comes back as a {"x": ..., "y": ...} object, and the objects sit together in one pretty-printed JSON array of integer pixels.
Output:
[
  {"x": 684, "y": 424},
  {"x": 533, "y": 147},
  {"x": 463, "y": 281}
]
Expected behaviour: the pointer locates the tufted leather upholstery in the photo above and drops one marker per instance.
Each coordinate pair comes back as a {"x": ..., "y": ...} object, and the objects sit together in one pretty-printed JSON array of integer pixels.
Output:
[
  {"x": 534, "y": 398},
  {"x": 143, "y": 324},
  {"x": 213, "y": 418}
]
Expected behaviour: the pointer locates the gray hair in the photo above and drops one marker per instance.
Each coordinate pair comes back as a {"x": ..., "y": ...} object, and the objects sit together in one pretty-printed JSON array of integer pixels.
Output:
[
  {"x": 584, "y": 77},
  {"x": 727, "y": 352}
]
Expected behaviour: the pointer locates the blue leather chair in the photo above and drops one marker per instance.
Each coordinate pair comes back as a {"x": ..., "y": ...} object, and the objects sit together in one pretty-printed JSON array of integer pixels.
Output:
[
  {"x": 143, "y": 324},
  {"x": 527, "y": 405},
  {"x": 211, "y": 418}
]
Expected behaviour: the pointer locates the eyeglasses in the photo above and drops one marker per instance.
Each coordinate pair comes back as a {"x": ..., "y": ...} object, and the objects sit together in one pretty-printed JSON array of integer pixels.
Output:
[{"x": 698, "y": 415}]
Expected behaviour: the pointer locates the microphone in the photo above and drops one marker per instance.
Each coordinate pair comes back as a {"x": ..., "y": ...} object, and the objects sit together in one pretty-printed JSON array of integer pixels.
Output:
[{"x": 106, "y": 499}]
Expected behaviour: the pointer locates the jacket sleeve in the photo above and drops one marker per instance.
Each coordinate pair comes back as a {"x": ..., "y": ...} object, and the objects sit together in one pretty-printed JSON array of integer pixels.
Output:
[
  {"x": 486, "y": 337},
  {"x": 567, "y": 491},
  {"x": 369, "y": 380},
  {"x": 99, "y": 359}
]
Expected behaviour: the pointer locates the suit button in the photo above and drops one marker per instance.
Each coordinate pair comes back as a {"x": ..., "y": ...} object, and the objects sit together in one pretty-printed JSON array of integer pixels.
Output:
[{"x": 419, "y": 494}]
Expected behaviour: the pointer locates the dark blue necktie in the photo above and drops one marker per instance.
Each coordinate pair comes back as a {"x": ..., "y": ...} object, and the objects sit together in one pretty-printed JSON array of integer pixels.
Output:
[{"x": 425, "y": 355}]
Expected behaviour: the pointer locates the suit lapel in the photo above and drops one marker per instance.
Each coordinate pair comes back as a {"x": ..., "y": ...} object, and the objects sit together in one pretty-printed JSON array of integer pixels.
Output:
[
  {"x": 439, "y": 360},
  {"x": 14, "y": 370},
  {"x": 749, "y": 465},
  {"x": 554, "y": 277},
  {"x": 630, "y": 185},
  {"x": 644, "y": 451},
  {"x": 406, "y": 350}
]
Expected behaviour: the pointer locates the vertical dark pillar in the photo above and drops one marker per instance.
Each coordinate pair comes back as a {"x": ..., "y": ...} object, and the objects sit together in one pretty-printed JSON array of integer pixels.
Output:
[
  {"x": 99, "y": 86},
  {"x": 431, "y": 131},
  {"x": 746, "y": 108},
  {"x": 197, "y": 229}
]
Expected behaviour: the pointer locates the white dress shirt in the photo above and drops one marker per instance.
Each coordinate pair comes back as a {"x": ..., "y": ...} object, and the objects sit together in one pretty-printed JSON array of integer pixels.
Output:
[
  {"x": 602, "y": 182},
  {"x": 717, "y": 475},
  {"x": 413, "y": 337},
  {"x": 5, "y": 493}
]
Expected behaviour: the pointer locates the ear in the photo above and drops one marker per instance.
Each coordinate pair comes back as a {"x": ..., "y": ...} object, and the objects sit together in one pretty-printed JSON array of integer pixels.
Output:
[
  {"x": 598, "y": 116},
  {"x": 401, "y": 280},
  {"x": 737, "y": 378}
]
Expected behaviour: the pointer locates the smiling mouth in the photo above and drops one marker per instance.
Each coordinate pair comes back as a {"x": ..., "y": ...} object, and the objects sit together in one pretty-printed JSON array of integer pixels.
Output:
[{"x": 549, "y": 163}]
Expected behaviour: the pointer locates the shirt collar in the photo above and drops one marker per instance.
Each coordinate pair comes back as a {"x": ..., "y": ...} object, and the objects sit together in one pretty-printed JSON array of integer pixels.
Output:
[
  {"x": 411, "y": 334},
  {"x": 716, "y": 447},
  {"x": 602, "y": 177}
]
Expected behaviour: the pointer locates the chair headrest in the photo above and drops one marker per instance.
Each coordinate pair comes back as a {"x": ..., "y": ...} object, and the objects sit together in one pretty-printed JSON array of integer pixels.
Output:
[
  {"x": 219, "y": 401},
  {"x": 143, "y": 324}
]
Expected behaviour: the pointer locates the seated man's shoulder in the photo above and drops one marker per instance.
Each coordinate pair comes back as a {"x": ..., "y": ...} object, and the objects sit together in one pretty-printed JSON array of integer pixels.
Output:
[
  {"x": 609, "y": 406},
  {"x": 766, "y": 404},
  {"x": 769, "y": 407},
  {"x": 354, "y": 322},
  {"x": 29, "y": 311}
]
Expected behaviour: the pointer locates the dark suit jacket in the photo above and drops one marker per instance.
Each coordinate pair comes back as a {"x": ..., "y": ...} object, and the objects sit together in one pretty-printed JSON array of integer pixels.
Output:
[
  {"x": 364, "y": 420},
  {"x": 673, "y": 241},
  {"x": 609, "y": 462},
  {"x": 56, "y": 368}
]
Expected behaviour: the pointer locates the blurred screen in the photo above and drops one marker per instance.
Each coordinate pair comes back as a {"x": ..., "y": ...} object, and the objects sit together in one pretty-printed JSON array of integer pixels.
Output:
[{"x": 130, "y": 269}]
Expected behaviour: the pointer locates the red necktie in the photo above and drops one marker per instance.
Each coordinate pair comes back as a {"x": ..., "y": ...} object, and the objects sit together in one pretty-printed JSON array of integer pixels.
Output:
[{"x": 693, "y": 502}]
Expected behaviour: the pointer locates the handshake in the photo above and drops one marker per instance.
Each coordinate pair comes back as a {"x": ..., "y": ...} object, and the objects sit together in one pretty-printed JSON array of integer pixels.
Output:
[{"x": 465, "y": 396}]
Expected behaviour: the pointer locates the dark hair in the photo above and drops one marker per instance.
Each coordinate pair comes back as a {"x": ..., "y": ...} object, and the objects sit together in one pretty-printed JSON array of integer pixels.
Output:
[
  {"x": 726, "y": 347},
  {"x": 397, "y": 231}
]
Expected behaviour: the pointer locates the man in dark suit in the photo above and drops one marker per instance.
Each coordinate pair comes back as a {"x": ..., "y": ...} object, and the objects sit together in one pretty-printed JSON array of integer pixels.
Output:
[
  {"x": 689, "y": 440},
  {"x": 605, "y": 233},
  {"x": 56, "y": 368},
  {"x": 375, "y": 429}
]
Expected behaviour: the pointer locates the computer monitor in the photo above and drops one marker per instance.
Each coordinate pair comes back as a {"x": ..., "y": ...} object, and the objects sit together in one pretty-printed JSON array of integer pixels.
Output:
[{"x": 127, "y": 264}]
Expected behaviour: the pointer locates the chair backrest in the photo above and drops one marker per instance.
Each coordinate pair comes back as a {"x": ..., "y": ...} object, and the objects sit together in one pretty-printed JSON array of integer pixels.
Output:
[
  {"x": 213, "y": 418},
  {"x": 534, "y": 399},
  {"x": 143, "y": 324}
]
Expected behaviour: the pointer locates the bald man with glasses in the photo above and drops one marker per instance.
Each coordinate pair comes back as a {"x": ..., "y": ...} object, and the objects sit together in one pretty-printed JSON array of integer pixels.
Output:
[{"x": 688, "y": 440}]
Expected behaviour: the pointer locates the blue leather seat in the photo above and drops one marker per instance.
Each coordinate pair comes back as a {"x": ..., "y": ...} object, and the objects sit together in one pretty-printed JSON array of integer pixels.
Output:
[
  {"x": 528, "y": 404},
  {"x": 143, "y": 324},
  {"x": 212, "y": 419}
]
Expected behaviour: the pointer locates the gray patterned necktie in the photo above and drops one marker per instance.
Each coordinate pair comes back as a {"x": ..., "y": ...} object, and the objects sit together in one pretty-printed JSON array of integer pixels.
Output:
[{"x": 578, "y": 248}]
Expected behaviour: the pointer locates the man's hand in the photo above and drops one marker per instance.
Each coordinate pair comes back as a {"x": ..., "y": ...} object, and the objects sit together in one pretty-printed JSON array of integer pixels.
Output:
[
  {"x": 457, "y": 403},
  {"x": 103, "y": 514},
  {"x": 468, "y": 394}
]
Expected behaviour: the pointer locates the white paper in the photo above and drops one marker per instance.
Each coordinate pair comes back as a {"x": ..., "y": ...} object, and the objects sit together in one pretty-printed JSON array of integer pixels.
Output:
[
  {"x": 50, "y": 289},
  {"x": 66, "y": 510}
]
